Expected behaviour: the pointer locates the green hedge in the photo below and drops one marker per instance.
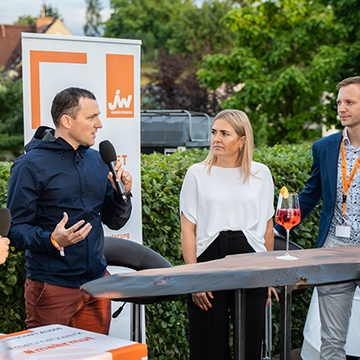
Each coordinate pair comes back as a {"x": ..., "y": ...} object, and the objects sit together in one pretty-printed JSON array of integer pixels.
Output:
[
  {"x": 12, "y": 275},
  {"x": 161, "y": 179},
  {"x": 162, "y": 176}
]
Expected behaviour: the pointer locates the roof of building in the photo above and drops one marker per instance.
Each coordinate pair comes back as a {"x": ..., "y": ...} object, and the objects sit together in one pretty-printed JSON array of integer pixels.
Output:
[{"x": 10, "y": 40}]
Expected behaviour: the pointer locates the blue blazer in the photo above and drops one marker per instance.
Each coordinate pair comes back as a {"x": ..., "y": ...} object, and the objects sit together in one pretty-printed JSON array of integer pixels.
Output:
[{"x": 321, "y": 184}]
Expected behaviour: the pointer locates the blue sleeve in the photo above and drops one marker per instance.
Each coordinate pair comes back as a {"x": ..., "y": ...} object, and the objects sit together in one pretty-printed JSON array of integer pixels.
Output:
[
  {"x": 115, "y": 212},
  {"x": 23, "y": 193},
  {"x": 312, "y": 192}
]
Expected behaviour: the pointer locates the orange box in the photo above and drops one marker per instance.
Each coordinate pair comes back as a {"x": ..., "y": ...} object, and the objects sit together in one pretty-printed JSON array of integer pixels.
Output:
[{"x": 58, "y": 342}]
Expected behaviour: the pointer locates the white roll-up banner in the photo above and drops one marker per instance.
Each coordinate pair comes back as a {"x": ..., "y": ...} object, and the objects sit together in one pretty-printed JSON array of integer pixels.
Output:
[{"x": 110, "y": 68}]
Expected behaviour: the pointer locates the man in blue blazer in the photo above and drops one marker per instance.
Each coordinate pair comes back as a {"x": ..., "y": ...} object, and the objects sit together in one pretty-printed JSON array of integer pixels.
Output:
[{"x": 335, "y": 179}]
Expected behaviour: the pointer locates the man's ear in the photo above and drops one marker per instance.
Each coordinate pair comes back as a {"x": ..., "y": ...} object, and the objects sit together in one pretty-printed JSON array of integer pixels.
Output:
[{"x": 65, "y": 121}]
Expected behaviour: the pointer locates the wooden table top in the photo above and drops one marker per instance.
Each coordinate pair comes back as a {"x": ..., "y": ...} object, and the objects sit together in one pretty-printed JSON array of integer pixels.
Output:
[{"x": 314, "y": 267}]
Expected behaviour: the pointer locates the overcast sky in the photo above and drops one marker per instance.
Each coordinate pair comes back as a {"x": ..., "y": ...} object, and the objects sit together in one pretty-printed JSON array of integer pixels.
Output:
[{"x": 71, "y": 11}]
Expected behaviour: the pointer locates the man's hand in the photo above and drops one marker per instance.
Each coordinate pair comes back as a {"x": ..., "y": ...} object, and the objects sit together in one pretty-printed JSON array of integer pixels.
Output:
[
  {"x": 65, "y": 237},
  {"x": 122, "y": 174}
]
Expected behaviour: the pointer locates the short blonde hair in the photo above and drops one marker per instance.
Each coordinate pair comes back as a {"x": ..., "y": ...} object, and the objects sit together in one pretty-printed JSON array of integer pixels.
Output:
[
  {"x": 348, "y": 81},
  {"x": 241, "y": 124}
]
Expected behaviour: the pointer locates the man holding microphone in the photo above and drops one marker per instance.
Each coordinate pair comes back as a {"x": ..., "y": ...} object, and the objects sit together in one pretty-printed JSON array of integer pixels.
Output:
[{"x": 60, "y": 193}]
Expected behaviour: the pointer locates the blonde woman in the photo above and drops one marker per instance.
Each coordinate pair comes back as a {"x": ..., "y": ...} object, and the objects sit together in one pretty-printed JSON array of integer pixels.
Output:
[{"x": 226, "y": 206}]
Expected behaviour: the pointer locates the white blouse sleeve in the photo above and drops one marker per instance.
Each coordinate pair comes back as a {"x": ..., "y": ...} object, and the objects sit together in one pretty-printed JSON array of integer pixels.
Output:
[
  {"x": 188, "y": 196},
  {"x": 269, "y": 193}
]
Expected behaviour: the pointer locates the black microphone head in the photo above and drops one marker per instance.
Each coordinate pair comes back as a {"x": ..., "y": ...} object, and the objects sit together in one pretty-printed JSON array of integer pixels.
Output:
[
  {"x": 5, "y": 221},
  {"x": 107, "y": 151}
]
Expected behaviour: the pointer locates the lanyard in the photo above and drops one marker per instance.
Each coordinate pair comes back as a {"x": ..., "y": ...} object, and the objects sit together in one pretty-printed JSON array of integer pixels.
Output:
[{"x": 346, "y": 182}]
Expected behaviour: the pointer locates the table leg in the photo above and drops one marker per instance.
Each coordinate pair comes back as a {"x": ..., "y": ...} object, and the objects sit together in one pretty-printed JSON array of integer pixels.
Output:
[
  {"x": 285, "y": 323},
  {"x": 136, "y": 328},
  {"x": 239, "y": 327}
]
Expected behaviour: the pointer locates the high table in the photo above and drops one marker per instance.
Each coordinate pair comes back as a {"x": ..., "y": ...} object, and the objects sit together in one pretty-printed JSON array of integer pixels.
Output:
[{"x": 238, "y": 272}]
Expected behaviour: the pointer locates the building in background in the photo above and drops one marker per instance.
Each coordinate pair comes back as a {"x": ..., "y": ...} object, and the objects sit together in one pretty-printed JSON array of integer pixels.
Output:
[{"x": 10, "y": 41}]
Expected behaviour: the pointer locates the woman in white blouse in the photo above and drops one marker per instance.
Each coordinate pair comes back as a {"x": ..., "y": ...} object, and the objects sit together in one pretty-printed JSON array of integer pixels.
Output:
[{"x": 226, "y": 206}]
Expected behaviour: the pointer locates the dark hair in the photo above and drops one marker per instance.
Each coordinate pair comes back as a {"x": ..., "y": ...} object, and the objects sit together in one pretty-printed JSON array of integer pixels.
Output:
[
  {"x": 348, "y": 81},
  {"x": 66, "y": 102}
]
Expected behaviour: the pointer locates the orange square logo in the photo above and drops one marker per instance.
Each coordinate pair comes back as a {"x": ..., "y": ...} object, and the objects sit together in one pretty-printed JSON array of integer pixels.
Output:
[
  {"x": 38, "y": 57},
  {"x": 119, "y": 86}
]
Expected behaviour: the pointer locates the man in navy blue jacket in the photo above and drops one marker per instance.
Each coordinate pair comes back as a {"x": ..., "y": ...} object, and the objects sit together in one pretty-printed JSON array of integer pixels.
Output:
[
  {"x": 60, "y": 192},
  {"x": 335, "y": 179}
]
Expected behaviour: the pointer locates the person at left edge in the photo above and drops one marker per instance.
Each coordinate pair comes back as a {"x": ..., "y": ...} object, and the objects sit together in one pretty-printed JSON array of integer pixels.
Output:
[
  {"x": 4, "y": 249},
  {"x": 60, "y": 192}
]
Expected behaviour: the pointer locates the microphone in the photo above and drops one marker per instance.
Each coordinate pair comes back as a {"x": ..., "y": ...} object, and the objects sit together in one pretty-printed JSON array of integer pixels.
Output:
[
  {"x": 108, "y": 154},
  {"x": 5, "y": 221}
]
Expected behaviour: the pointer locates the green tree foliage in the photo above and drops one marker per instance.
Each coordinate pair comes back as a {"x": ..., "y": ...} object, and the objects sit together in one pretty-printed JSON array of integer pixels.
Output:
[
  {"x": 200, "y": 30},
  {"x": 93, "y": 18},
  {"x": 177, "y": 26},
  {"x": 46, "y": 10},
  {"x": 174, "y": 86},
  {"x": 51, "y": 11},
  {"x": 25, "y": 20},
  {"x": 11, "y": 118},
  {"x": 147, "y": 20},
  {"x": 282, "y": 67},
  {"x": 347, "y": 12}
]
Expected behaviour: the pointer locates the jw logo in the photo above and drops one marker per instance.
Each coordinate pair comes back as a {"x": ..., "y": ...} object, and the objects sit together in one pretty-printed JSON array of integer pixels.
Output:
[{"x": 120, "y": 103}]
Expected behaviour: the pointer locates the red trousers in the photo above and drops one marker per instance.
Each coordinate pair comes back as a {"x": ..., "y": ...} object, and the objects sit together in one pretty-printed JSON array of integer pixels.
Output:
[{"x": 50, "y": 304}]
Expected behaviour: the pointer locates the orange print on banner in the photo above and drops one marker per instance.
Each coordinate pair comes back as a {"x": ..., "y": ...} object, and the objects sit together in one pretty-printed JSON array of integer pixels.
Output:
[
  {"x": 37, "y": 57},
  {"x": 131, "y": 352},
  {"x": 119, "y": 86}
]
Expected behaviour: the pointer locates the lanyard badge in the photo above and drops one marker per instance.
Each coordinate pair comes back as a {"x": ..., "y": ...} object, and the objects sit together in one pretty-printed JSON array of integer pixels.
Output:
[{"x": 344, "y": 231}]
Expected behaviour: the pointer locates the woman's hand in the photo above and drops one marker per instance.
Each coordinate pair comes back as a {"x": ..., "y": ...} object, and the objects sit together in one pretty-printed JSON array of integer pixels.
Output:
[
  {"x": 201, "y": 299},
  {"x": 271, "y": 291}
]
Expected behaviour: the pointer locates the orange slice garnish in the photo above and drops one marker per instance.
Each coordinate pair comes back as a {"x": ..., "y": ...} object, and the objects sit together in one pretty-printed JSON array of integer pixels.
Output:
[{"x": 284, "y": 192}]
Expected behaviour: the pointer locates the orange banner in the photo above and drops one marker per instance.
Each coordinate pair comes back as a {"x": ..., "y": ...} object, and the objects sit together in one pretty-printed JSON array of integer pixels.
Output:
[{"x": 119, "y": 86}]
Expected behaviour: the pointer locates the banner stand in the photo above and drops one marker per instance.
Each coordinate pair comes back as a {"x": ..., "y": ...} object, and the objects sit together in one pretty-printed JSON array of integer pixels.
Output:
[{"x": 110, "y": 68}]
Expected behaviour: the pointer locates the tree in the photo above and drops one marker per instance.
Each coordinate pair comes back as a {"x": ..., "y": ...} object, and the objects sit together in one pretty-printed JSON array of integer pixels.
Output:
[
  {"x": 347, "y": 12},
  {"x": 177, "y": 26},
  {"x": 182, "y": 33},
  {"x": 173, "y": 85},
  {"x": 282, "y": 67},
  {"x": 25, "y": 20},
  {"x": 147, "y": 20},
  {"x": 93, "y": 18},
  {"x": 46, "y": 10},
  {"x": 201, "y": 29},
  {"x": 11, "y": 118},
  {"x": 51, "y": 11}
]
